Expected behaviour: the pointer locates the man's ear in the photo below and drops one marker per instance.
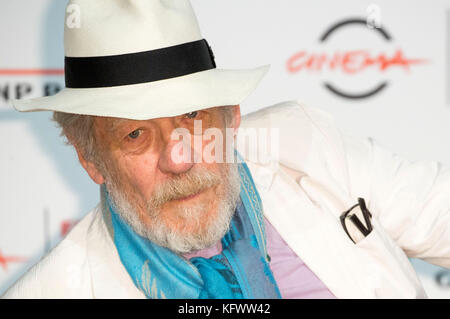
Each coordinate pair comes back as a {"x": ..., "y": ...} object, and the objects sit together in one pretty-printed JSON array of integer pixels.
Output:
[{"x": 90, "y": 168}]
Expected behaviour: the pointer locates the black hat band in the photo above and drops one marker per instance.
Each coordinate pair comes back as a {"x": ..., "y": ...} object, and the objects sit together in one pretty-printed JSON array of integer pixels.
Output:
[{"x": 141, "y": 67}]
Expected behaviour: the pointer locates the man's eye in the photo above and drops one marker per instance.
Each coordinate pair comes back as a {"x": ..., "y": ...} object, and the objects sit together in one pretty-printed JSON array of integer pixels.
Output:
[
  {"x": 192, "y": 115},
  {"x": 135, "y": 134}
]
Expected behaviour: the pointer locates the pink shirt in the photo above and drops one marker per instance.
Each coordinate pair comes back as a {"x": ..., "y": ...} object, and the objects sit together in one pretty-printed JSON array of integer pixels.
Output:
[{"x": 295, "y": 280}]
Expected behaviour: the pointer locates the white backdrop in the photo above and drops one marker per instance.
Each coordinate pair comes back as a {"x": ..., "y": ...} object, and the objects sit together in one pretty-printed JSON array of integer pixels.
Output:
[{"x": 43, "y": 189}]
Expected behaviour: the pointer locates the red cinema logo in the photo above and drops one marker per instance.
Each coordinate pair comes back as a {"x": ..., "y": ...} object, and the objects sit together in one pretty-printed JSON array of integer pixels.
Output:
[{"x": 351, "y": 62}]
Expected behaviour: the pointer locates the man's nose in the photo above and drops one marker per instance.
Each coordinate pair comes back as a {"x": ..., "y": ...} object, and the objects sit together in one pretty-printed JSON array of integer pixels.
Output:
[{"x": 175, "y": 156}]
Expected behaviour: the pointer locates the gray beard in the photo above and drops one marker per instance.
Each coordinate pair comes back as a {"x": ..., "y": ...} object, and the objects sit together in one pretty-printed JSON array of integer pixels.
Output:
[{"x": 163, "y": 235}]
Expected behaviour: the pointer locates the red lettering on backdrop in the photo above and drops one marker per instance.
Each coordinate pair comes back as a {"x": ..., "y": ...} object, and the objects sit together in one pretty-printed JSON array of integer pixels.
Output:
[
  {"x": 354, "y": 61},
  {"x": 291, "y": 63},
  {"x": 5, "y": 260},
  {"x": 350, "y": 62}
]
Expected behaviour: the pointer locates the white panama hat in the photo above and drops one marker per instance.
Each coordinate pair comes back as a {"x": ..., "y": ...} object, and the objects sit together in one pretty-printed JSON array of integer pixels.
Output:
[{"x": 140, "y": 59}]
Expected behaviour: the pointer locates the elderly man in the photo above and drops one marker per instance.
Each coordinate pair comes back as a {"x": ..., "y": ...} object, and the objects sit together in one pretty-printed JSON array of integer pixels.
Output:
[{"x": 326, "y": 216}]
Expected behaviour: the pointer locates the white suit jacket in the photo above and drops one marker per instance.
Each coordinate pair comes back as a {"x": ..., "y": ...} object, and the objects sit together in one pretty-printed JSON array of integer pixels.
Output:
[{"x": 319, "y": 174}]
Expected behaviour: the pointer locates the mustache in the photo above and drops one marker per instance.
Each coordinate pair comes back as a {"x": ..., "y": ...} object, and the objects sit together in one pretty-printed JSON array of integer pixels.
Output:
[{"x": 183, "y": 185}]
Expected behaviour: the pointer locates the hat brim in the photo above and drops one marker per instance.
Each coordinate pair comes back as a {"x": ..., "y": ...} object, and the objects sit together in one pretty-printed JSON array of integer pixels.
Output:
[{"x": 171, "y": 97}]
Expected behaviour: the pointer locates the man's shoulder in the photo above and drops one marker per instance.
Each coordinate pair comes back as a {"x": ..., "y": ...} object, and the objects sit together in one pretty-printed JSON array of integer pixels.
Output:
[
  {"x": 62, "y": 272},
  {"x": 292, "y": 131},
  {"x": 287, "y": 111}
]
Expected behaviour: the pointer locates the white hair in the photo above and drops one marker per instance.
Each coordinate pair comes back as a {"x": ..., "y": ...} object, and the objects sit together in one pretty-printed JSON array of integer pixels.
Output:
[{"x": 178, "y": 241}]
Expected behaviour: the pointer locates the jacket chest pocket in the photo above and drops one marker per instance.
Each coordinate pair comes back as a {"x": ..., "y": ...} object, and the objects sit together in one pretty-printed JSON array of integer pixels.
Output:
[{"x": 388, "y": 272}]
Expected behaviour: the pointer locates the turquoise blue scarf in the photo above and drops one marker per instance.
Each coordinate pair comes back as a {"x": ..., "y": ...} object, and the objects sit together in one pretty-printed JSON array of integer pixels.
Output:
[{"x": 241, "y": 271}]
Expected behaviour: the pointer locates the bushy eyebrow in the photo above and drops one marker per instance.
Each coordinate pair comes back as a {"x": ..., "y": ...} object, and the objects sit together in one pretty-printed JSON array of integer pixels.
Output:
[{"x": 115, "y": 123}]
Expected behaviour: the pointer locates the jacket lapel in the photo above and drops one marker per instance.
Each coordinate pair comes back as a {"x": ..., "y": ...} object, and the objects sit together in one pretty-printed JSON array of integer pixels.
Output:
[{"x": 314, "y": 235}]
